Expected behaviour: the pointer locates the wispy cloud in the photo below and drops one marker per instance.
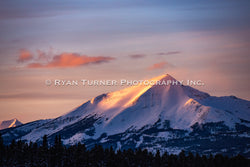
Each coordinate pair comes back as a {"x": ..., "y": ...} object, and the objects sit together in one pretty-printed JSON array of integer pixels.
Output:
[
  {"x": 160, "y": 65},
  {"x": 168, "y": 53},
  {"x": 39, "y": 95},
  {"x": 24, "y": 55},
  {"x": 137, "y": 56},
  {"x": 70, "y": 60}
]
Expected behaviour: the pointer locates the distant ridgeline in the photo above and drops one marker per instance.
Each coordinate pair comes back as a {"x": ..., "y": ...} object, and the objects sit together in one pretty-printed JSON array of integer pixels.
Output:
[{"x": 22, "y": 154}]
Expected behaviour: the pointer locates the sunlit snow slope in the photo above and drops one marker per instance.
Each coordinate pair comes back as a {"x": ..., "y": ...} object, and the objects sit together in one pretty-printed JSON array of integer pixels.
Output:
[{"x": 142, "y": 105}]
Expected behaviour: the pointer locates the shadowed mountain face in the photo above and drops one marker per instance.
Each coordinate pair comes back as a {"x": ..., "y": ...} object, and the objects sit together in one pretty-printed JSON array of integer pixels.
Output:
[{"x": 157, "y": 117}]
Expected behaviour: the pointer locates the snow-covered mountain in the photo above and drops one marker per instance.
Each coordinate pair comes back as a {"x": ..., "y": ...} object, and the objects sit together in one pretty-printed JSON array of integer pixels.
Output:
[
  {"x": 10, "y": 123},
  {"x": 165, "y": 117}
]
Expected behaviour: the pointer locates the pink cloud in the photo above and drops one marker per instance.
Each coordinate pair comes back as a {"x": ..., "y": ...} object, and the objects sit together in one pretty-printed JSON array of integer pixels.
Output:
[
  {"x": 160, "y": 65},
  {"x": 35, "y": 65},
  {"x": 70, "y": 60},
  {"x": 24, "y": 55}
]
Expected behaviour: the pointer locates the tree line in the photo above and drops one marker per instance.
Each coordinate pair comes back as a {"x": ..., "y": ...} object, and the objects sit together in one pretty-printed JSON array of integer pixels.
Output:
[{"x": 22, "y": 154}]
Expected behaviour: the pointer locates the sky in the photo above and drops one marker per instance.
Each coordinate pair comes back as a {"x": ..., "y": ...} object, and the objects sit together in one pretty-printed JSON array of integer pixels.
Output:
[{"x": 117, "y": 39}]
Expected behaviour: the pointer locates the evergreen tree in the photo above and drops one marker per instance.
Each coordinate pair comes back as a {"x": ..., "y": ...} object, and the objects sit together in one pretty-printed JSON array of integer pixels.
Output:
[
  {"x": 165, "y": 159},
  {"x": 190, "y": 159},
  {"x": 111, "y": 157},
  {"x": 45, "y": 143},
  {"x": 157, "y": 159},
  {"x": 182, "y": 158}
]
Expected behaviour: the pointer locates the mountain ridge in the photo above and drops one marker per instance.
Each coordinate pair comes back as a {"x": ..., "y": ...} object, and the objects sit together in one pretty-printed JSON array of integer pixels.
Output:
[
  {"x": 10, "y": 123},
  {"x": 153, "y": 117}
]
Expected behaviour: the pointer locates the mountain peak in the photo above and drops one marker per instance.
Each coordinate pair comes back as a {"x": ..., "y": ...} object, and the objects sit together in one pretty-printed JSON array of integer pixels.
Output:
[
  {"x": 10, "y": 123},
  {"x": 168, "y": 77},
  {"x": 164, "y": 77}
]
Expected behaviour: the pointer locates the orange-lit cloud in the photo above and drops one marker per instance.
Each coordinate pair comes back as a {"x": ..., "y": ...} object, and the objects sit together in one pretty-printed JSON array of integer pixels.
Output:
[
  {"x": 137, "y": 56},
  {"x": 24, "y": 55},
  {"x": 35, "y": 65},
  {"x": 70, "y": 60},
  {"x": 160, "y": 65}
]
